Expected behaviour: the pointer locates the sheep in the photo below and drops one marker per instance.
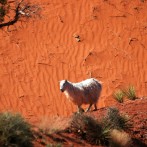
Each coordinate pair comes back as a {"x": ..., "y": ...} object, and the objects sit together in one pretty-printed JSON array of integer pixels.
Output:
[{"x": 85, "y": 92}]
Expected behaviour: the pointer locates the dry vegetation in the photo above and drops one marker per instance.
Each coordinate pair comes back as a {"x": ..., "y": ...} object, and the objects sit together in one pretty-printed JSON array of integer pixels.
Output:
[
  {"x": 112, "y": 129},
  {"x": 129, "y": 93},
  {"x": 98, "y": 132},
  {"x": 14, "y": 130},
  {"x": 119, "y": 96},
  {"x": 11, "y": 12},
  {"x": 89, "y": 129},
  {"x": 120, "y": 139}
]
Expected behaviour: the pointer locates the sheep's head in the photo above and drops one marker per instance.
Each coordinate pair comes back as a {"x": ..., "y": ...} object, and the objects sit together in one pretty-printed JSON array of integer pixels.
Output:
[{"x": 63, "y": 85}]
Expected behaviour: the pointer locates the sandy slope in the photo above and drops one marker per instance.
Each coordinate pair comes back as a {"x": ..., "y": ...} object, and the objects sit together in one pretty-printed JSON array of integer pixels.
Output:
[
  {"x": 36, "y": 54},
  {"x": 137, "y": 129}
]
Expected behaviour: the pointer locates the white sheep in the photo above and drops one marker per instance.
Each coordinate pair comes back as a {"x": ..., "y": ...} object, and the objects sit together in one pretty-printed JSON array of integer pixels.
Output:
[{"x": 85, "y": 92}]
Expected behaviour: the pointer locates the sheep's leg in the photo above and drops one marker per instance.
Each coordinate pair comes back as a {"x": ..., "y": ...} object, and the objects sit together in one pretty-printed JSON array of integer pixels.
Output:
[
  {"x": 95, "y": 107},
  {"x": 80, "y": 110},
  {"x": 88, "y": 108}
]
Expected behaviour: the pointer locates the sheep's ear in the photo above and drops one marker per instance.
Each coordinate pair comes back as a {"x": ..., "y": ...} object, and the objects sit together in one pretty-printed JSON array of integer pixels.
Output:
[{"x": 65, "y": 80}]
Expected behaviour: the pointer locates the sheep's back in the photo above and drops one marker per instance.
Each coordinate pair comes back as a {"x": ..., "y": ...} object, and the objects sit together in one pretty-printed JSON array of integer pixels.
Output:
[{"x": 92, "y": 89}]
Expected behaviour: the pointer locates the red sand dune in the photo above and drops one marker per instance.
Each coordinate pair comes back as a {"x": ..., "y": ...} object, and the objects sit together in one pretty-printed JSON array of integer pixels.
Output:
[{"x": 36, "y": 54}]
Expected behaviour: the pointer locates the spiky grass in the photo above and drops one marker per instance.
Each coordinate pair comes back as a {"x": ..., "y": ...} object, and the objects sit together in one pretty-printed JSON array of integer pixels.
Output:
[
  {"x": 98, "y": 132},
  {"x": 114, "y": 120},
  {"x": 130, "y": 93},
  {"x": 89, "y": 129},
  {"x": 119, "y": 95},
  {"x": 14, "y": 130}
]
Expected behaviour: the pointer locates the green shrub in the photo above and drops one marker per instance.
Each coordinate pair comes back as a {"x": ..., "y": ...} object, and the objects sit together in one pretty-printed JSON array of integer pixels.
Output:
[
  {"x": 14, "y": 131},
  {"x": 114, "y": 120},
  {"x": 130, "y": 93},
  {"x": 89, "y": 129},
  {"x": 99, "y": 132},
  {"x": 119, "y": 95}
]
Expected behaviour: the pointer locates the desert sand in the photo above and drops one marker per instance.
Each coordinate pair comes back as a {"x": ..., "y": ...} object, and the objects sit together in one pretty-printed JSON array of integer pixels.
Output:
[{"x": 73, "y": 40}]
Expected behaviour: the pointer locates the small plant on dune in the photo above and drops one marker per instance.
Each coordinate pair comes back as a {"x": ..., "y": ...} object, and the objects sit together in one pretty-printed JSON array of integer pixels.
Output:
[
  {"x": 89, "y": 129},
  {"x": 14, "y": 131},
  {"x": 130, "y": 93},
  {"x": 119, "y": 95},
  {"x": 114, "y": 120}
]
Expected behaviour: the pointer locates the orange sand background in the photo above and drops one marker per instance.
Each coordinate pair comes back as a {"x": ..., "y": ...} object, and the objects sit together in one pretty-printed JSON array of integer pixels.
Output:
[{"x": 36, "y": 54}]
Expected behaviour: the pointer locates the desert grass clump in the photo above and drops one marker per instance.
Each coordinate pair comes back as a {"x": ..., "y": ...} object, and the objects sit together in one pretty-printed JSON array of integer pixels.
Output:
[
  {"x": 114, "y": 120},
  {"x": 130, "y": 93},
  {"x": 89, "y": 129},
  {"x": 120, "y": 139},
  {"x": 103, "y": 131},
  {"x": 14, "y": 131},
  {"x": 119, "y": 95}
]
